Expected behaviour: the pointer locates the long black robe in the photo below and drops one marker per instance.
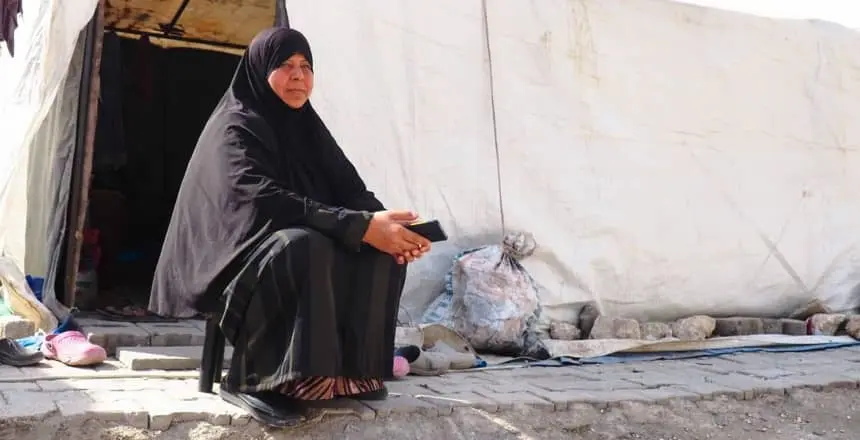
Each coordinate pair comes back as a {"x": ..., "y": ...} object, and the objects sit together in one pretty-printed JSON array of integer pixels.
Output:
[{"x": 269, "y": 220}]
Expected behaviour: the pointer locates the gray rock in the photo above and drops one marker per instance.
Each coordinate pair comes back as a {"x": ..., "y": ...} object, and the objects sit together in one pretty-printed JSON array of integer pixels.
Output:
[
  {"x": 739, "y": 326},
  {"x": 812, "y": 308},
  {"x": 793, "y": 327},
  {"x": 694, "y": 328},
  {"x": 615, "y": 328},
  {"x": 654, "y": 331},
  {"x": 772, "y": 326},
  {"x": 587, "y": 316},
  {"x": 852, "y": 326},
  {"x": 564, "y": 331},
  {"x": 826, "y": 324}
]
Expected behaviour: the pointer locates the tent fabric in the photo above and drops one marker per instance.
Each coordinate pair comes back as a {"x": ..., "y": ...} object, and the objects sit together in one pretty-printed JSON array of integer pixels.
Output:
[
  {"x": 38, "y": 116},
  {"x": 670, "y": 159}
]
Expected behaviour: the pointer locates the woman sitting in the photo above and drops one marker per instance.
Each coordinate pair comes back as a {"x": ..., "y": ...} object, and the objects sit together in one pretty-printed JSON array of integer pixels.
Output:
[{"x": 274, "y": 226}]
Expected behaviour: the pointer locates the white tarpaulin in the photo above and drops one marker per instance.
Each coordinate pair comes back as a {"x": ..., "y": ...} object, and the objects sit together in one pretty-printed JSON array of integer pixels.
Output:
[
  {"x": 670, "y": 159},
  {"x": 38, "y": 114},
  {"x": 410, "y": 105}
]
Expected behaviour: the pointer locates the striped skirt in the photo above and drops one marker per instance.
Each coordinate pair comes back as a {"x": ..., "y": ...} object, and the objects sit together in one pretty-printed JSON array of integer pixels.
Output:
[{"x": 311, "y": 319}]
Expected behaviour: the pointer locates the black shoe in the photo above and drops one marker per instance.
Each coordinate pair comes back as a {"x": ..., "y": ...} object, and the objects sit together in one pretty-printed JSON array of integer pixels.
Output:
[
  {"x": 268, "y": 408},
  {"x": 380, "y": 394},
  {"x": 12, "y": 353}
]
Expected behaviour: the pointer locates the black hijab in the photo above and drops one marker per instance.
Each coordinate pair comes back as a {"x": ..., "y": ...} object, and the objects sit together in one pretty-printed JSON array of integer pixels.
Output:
[{"x": 258, "y": 167}]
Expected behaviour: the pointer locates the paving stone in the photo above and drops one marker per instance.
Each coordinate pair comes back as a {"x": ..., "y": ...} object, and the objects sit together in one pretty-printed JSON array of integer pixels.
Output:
[
  {"x": 8, "y": 373},
  {"x": 115, "y": 384},
  {"x": 26, "y": 404},
  {"x": 113, "y": 334},
  {"x": 16, "y": 327},
  {"x": 165, "y": 358},
  {"x": 450, "y": 402},
  {"x": 341, "y": 407},
  {"x": 79, "y": 407},
  {"x": 509, "y": 400},
  {"x": 770, "y": 373},
  {"x": 166, "y": 334},
  {"x": 793, "y": 327},
  {"x": 561, "y": 400},
  {"x": 739, "y": 326},
  {"x": 554, "y": 384},
  {"x": 402, "y": 404}
]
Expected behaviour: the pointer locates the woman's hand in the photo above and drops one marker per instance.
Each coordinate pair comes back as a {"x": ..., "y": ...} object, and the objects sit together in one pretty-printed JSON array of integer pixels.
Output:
[{"x": 387, "y": 233}]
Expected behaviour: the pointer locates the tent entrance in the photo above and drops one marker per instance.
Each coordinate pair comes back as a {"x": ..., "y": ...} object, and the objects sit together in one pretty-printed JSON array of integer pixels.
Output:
[{"x": 153, "y": 104}]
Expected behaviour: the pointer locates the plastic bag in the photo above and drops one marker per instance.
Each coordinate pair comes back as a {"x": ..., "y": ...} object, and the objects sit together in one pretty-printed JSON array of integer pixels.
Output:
[{"x": 494, "y": 301}]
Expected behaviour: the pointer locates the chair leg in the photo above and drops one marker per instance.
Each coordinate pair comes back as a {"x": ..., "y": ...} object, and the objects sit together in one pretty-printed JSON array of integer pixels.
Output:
[{"x": 212, "y": 360}]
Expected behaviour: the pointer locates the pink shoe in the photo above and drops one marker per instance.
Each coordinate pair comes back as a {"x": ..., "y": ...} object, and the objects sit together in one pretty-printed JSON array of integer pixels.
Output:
[
  {"x": 401, "y": 367},
  {"x": 72, "y": 348}
]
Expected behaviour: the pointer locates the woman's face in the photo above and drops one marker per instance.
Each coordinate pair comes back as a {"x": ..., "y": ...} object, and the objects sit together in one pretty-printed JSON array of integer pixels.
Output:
[{"x": 293, "y": 81}]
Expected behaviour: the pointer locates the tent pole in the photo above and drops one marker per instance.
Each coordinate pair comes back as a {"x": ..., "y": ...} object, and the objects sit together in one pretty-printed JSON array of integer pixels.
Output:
[{"x": 83, "y": 156}]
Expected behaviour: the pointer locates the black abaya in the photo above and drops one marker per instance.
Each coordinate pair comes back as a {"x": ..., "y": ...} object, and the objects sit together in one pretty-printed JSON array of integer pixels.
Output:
[{"x": 269, "y": 221}]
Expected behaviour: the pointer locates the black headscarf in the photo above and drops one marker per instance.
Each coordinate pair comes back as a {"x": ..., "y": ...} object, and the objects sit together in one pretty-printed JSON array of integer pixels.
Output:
[{"x": 258, "y": 167}]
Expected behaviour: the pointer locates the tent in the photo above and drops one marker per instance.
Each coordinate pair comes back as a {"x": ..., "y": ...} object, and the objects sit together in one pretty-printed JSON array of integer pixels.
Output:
[{"x": 670, "y": 159}]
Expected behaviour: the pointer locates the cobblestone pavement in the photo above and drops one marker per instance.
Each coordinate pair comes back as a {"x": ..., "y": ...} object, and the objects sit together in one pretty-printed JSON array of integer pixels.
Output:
[{"x": 58, "y": 398}]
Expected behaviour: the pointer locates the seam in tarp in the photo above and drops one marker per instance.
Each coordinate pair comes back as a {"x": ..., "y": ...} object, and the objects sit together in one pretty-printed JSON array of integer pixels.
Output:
[{"x": 493, "y": 112}]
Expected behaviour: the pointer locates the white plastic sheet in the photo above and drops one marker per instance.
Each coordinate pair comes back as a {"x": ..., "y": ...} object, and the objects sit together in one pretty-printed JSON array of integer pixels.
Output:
[
  {"x": 410, "y": 105},
  {"x": 38, "y": 113},
  {"x": 675, "y": 160},
  {"x": 670, "y": 159}
]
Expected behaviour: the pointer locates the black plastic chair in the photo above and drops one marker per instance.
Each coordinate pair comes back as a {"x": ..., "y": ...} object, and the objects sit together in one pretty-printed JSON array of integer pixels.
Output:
[{"x": 212, "y": 361}]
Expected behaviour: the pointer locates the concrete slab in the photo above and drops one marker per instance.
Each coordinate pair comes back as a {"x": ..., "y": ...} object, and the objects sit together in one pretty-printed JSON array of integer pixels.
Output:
[
  {"x": 165, "y": 358},
  {"x": 15, "y": 327},
  {"x": 164, "y": 334},
  {"x": 113, "y": 334}
]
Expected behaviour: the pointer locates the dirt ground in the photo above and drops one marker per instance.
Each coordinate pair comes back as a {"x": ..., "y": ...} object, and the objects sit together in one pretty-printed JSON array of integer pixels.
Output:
[{"x": 803, "y": 414}]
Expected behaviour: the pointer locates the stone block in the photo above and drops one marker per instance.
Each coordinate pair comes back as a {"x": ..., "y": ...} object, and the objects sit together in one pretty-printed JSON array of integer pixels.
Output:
[
  {"x": 826, "y": 324},
  {"x": 400, "y": 404},
  {"x": 165, "y": 358},
  {"x": 564, "y": 331},
  {"x": 694, "y": 328},
  {"x": 772, "y": 326},
  {"x": 168, "y": 334},
  {"x": 655, "y": 331},
  {"x": 587, "y": 317},
  {"x": 606, "y": 327},
  {"x": 449, "y": 402},
  {"x": 26, "y": 404},
  {"x": 15, "y": 327},
  {"x": 113, "y": 334},
  {"x": 852, "y": 326},
  {"x": 739, "y": 326},
  {"x": 793, "y": 327}
]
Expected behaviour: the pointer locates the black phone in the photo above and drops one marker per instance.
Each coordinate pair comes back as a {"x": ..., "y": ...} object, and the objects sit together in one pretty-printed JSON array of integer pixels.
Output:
[{"x": 430, "y": 230}]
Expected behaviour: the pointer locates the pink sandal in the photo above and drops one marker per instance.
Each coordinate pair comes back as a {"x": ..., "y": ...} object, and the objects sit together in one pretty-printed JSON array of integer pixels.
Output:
[{"x": 72, "y": 348}]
